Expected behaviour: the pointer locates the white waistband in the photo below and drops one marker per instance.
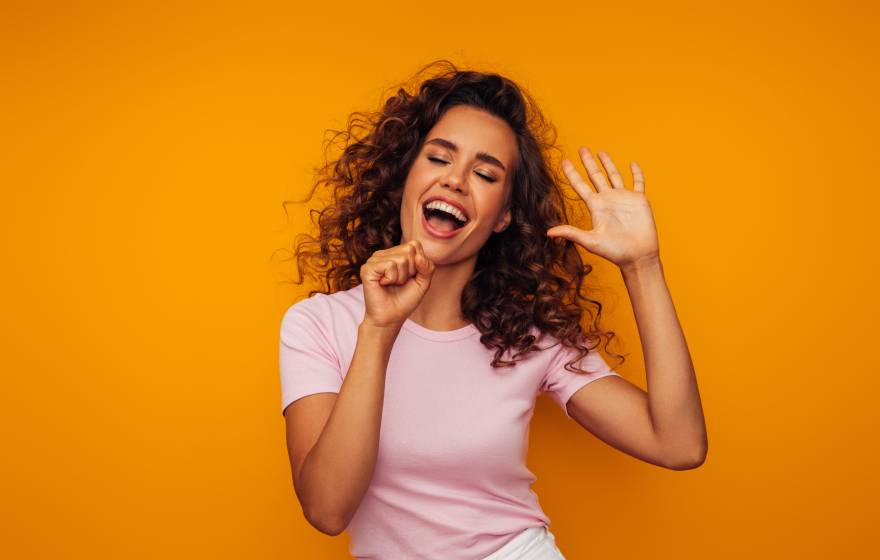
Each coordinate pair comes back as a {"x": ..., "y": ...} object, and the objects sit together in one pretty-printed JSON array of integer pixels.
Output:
[{"x": 533, "y": 543}]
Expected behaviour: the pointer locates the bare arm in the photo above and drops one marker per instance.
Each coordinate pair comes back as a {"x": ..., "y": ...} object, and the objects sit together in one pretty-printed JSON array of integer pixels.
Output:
[
  {"x": 333, "y": 476},
  {"x": 663, "y": 426},
  {"x": 673, "y": 396},
  {"x": 333, "y": 440}
]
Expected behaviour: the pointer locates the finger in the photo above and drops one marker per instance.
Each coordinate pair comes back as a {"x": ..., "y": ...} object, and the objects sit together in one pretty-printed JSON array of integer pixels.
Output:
[
  {"x": 611, "y": 169},
  {"x": 423, "y": 265},
  {"x": 411, "y": 261},
  {"x": 405, "y": 257},
  {"x": 379, "y": 270},
  {"x": 576, "y": 235},
  {"x": 389, "y": 272},
  {"x": 593, "y": 170},
  {"x": 401, "y": 262},
  {"x": 418, "y": 247},
  {"x": 411, "y": 258},
  {"x": 581, "y": 186},
  {"x": 638, "y": 177}
]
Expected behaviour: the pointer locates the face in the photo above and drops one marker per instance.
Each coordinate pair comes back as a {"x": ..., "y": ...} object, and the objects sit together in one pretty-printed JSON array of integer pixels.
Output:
[{"x": 465, "y": 161}]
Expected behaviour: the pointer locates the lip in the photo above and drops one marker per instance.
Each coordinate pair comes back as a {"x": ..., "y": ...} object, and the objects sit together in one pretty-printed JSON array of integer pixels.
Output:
[
  {"x": 450, "y": 202},
  {"x": 437, "y": 233}
]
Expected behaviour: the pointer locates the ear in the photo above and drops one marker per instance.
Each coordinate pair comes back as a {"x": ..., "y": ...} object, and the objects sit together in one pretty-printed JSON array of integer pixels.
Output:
[{"x": 503, "y": 222}]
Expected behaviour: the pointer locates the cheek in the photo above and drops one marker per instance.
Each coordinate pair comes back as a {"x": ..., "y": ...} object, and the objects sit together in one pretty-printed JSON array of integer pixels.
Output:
[
  {"x": 415, "y": 181},
  {"x": 409, "y": 202},
  {"x": 491, "y": 205}
]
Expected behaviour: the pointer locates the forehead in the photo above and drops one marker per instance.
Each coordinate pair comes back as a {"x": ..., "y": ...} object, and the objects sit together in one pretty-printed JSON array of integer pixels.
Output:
[{"x": 475, "y": 130}]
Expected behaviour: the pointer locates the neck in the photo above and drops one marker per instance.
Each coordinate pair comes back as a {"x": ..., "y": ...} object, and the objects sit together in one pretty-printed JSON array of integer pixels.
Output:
[{"x": 440, "y": 309}]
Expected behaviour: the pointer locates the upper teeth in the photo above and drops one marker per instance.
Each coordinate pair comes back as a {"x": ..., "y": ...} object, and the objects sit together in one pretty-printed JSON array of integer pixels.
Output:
[{"x": 440, "y": 205}]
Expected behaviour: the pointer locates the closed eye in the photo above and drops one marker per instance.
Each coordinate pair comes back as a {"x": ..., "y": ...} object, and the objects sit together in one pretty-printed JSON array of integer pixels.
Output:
[{"x": 487, "y": 178}]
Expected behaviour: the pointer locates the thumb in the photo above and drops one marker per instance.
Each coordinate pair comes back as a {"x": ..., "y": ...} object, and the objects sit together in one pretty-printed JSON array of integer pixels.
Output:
[
  {"x": 583, "y": 238},
  {"x": 424, "y": 270}
]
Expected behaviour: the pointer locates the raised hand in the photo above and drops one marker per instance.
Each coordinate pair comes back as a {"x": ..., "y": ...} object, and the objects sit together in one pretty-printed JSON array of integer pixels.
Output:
[
  {"x": 623, "y": 223},
  {"x": 395, "y": 281}
]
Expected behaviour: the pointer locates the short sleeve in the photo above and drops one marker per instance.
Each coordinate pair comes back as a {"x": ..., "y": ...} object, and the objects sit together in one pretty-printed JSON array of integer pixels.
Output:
[
  {"x": 561, "y": 384},
  {"x": 307, "y": 360}
]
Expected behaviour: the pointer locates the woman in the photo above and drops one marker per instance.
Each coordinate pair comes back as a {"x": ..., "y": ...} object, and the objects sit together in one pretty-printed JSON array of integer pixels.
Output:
[{"x": 453, "y": 297}]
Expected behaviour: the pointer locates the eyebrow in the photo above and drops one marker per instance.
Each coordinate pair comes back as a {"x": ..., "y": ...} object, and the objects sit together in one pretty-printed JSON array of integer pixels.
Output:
[{"x": 482, "y": 156}]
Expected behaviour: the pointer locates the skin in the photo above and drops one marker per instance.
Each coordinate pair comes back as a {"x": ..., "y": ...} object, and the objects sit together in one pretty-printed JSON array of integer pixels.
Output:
[
  {"x": 664, "y": 425},
  {"x": 333, "y": 438},
  {"x": 463, "y": 179}
]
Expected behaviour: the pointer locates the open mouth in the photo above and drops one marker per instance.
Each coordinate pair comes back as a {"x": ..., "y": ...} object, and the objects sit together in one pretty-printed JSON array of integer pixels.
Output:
[{"x": 443, "y": 217}]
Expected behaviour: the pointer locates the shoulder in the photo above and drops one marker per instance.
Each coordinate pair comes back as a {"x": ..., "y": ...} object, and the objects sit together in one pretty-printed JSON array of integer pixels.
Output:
[
  {"x": 327, "y": 310},
  {"x": 550, "y": 347},
  {"x": 558, "y": 354}
]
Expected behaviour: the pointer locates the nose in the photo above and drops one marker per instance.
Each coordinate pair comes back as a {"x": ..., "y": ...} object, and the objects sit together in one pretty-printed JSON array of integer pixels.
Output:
[{"x": 453, "y": 181}]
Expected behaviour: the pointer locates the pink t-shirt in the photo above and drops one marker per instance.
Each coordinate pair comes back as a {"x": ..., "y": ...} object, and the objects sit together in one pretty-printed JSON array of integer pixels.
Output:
[{"x": 450, "y": 480}]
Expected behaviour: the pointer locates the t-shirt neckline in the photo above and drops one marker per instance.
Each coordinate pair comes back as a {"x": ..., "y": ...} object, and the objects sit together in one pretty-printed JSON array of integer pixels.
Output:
[
  {"x": 424, "y": 332},
  {"x": 442, "y": 336}
]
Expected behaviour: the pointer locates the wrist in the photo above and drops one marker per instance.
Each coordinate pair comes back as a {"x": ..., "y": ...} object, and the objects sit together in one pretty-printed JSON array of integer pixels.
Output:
[
  {"x": 650, "y": 263},
  {"x": 368, "y": 328}
]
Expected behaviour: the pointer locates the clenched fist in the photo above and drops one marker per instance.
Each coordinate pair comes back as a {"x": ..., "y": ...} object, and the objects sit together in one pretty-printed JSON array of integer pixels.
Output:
[{"x": 395, "y": 281}]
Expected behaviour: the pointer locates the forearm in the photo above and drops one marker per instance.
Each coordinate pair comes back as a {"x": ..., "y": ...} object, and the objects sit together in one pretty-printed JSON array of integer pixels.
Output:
[
  {"x": 337, "y": 471},
  {"x": 673, "y": 395}
]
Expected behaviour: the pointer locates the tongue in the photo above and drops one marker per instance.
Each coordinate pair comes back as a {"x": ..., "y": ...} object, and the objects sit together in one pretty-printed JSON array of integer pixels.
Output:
[{"x": 441, "y": 224}]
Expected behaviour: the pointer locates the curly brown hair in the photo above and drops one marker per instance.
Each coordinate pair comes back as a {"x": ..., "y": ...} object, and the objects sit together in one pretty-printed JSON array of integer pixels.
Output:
[{"x": 523, "y": 279}]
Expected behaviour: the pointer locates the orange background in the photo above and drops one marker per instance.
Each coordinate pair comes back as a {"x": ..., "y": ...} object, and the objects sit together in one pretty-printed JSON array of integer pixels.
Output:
[{"x": 145, "y": 155}]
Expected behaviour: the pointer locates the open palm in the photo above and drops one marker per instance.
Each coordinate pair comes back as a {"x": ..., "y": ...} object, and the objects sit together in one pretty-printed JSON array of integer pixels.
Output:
[{"x": 623, "y": 223}]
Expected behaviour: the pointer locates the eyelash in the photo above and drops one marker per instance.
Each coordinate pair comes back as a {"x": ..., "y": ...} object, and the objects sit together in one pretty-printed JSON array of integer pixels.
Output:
[{"x": 484, "y": 177}]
